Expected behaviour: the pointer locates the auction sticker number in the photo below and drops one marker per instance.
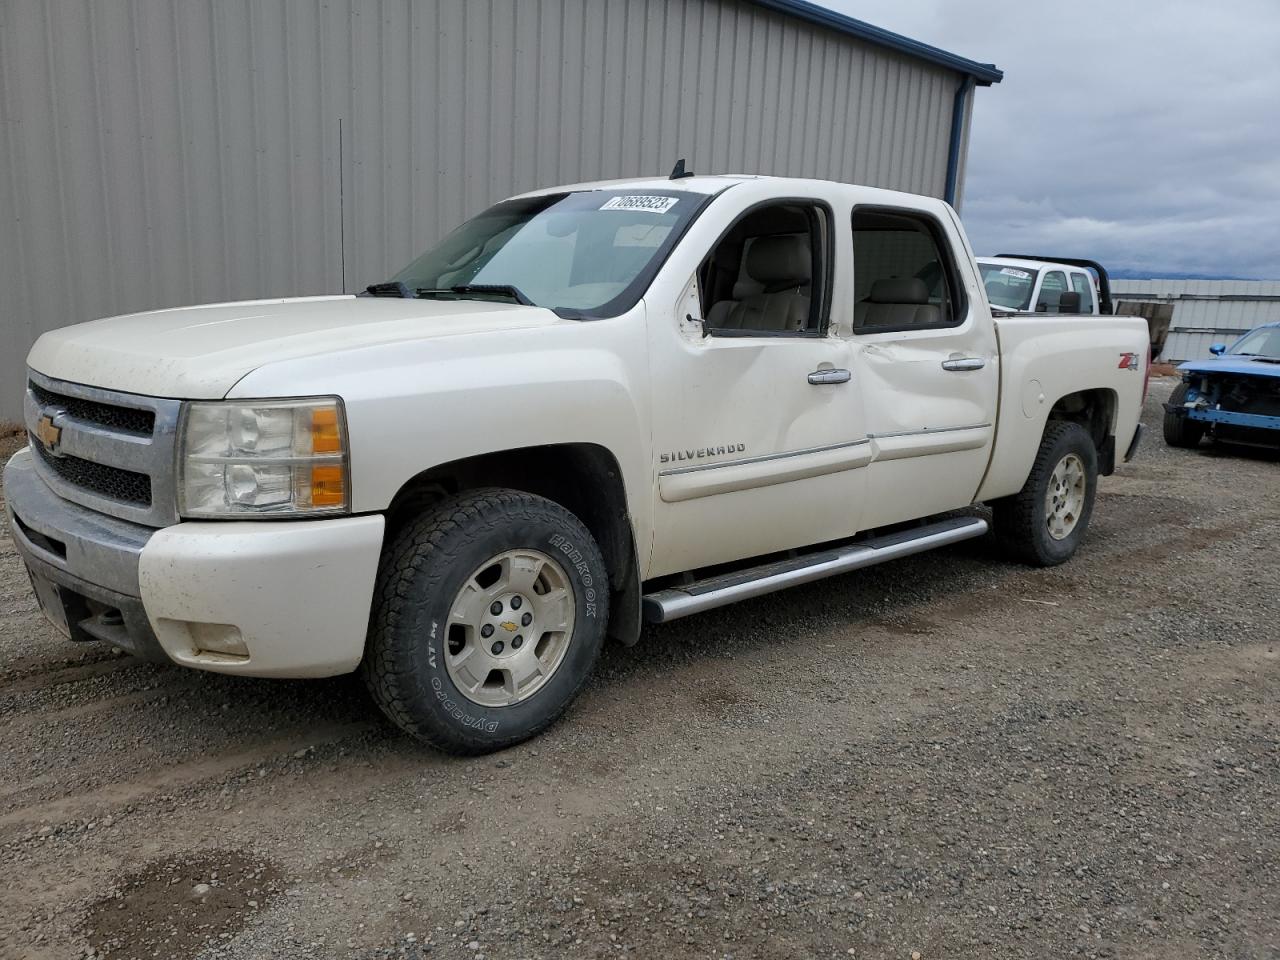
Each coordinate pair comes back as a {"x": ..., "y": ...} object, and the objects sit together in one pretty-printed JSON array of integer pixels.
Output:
[{"x": 647, "y": 204}]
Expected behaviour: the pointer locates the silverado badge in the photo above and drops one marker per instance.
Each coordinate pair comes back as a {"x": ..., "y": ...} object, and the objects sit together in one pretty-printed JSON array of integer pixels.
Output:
[{"x": 48, "y": 432}]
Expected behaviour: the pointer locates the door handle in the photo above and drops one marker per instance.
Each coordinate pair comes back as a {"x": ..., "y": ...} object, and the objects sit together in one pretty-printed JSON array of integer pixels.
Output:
[
  {"x": 827, "y": 375},
  {"x": 964, "y": 363}
]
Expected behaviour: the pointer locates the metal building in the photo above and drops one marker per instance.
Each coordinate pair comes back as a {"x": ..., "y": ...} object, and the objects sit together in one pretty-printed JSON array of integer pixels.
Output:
[
  {"x": 155, "y": 153},
  {"x": 1205, "y": 311}
]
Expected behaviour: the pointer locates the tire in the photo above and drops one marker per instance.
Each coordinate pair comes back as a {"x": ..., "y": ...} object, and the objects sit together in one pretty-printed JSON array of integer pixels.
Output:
[
  {"x": 437, "y": 599},
  {"x": 1179, "y": 431},
  {"x": 1024, "y": 523}
]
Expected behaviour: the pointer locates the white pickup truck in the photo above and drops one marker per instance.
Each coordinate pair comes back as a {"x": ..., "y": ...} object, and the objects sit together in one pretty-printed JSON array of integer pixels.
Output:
[
  {"x": 588, "y": 407},
  {"x": 1020, "y": 283}
]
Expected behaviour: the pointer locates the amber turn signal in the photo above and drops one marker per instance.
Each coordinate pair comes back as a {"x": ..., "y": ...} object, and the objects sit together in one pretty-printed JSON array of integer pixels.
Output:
[
  {"x": 328, "y": 487},
  {"x": 325, "y": 435}
]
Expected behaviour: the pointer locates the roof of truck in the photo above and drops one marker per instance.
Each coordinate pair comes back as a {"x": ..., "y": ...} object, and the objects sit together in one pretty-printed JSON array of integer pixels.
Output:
[
  {"x": 694, "y": 184},
  {"x": 709, "y": 184},
  {"x": 1032, "y": 265}
]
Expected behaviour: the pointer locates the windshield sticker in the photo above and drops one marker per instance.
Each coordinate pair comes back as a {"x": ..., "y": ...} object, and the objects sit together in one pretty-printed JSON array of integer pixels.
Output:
[
  {"x": 643, "y": 203},
  {"x": 1012, "y": 272}
]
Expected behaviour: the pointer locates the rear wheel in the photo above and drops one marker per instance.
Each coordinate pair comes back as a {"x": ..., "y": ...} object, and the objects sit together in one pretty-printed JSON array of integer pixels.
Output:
[
  {"x": 1179, "y": 430},
  {"x": 489, "y": 616},
  {"x": 1044, "y": 523}
]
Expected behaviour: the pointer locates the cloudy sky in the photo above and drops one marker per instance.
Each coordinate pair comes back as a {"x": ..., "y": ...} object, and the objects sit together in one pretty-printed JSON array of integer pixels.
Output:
[{"x": 1142, "y": 133}]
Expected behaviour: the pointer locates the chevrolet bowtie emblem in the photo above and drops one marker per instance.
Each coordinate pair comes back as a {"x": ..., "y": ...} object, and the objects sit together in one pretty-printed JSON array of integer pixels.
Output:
[
  {"x": 48, "y": 433},
  {"x": 508, "y": 626}
]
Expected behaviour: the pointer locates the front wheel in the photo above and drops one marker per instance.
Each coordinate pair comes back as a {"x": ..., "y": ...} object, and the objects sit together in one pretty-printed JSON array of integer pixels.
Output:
[
  {"x": 489, "y": 615},
  {"x": 1180, "y": 430},
  {"x": 1044, "y": 523}
]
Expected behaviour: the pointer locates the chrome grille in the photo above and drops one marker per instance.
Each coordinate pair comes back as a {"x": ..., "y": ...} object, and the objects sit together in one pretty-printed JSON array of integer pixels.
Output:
[
  {"x": 102, "y": 414},
  {"x": 113, "y": 452},
  {"x": 123, "y": 485}
]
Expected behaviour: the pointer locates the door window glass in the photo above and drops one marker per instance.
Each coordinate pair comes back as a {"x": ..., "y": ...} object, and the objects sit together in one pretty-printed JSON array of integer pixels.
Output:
[
  {"x": 1051, "y": 291},
  {"x": 767, "y": 276},
  {"x": 1081, "y": 284},
  {"x": 903, "y": 277}
]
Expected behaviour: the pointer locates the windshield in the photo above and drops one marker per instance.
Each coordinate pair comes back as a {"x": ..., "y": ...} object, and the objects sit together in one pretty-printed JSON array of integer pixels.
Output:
[
  {"x": 586, "y": 254},
  {"x": 1263, "y": 342},
  {"x": 1008, "y": 287}
]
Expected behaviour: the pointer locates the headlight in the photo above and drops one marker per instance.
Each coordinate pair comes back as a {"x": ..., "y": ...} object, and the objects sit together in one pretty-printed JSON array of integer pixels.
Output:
[{"x": 264, "y": 457}]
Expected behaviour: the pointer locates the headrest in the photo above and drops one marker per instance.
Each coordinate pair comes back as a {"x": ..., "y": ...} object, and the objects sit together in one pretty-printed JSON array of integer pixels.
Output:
[
  {"x": 899, "y": 290},
  {"x": 783, "y": 259}
]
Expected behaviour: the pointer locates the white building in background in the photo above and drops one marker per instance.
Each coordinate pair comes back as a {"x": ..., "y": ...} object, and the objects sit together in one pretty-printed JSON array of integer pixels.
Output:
[
  {"x": 155, "y": 153},
  {"x": 1205, "y": 311}
]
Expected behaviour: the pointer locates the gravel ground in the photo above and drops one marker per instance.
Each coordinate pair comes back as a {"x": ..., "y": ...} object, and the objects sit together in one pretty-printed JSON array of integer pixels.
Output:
[{"x": 949, "y": 756}]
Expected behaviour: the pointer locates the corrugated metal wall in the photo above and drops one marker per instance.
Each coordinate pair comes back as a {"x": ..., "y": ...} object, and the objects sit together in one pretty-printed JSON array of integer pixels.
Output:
[
  {"x": 1205, "y": 311},
  {"x": 162, "y": 152}
]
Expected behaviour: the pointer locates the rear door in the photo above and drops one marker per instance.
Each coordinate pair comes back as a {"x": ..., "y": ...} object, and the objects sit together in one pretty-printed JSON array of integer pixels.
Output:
[{"x": 927, "y": 362}]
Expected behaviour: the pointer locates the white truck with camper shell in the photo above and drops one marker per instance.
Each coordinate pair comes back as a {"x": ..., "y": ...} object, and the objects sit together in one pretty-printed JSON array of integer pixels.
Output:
[{"x": 587, "y": 407}]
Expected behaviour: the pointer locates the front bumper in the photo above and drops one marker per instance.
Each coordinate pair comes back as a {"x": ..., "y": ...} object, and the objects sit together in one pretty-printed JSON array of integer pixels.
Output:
[
  {"x": 1234, "y": 418},
  {"x": 257, "y": 598},
  {"x": 83, "y": 564}
]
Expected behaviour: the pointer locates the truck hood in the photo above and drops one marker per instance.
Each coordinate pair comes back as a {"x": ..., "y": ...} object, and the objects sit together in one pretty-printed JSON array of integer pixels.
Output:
[
  {"x": 1249, "y": 366},
  {"x": 199, "y": 353}
]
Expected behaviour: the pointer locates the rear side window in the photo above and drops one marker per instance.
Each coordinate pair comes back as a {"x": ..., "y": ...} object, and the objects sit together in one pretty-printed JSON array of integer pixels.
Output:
[
  {"x": 1051, "y": 291},
  {"x": 1080, "y": 283},
  {"x": 903, "y": 276}
]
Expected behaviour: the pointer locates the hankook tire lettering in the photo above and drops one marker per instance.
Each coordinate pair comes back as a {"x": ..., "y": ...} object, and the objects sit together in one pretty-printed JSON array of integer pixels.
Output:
[{"x": 574, "y": 556}]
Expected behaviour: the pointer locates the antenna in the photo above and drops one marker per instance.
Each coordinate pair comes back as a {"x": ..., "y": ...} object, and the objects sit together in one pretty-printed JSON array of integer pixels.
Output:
[{"x": 678, "y": 172}]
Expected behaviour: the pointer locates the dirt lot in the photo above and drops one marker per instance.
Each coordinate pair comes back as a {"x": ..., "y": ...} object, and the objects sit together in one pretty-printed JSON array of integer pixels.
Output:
[{"x": 950, "y": 755}]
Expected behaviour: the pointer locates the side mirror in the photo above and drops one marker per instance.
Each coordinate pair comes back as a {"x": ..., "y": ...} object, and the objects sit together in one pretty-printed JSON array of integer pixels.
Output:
[
  {"x": 1218, "y": 349},
  {"x": 1069, "y": 302}
]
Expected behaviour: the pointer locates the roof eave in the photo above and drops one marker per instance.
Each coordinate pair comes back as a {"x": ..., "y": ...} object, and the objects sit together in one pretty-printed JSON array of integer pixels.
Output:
[{"x": 984, "y": 74}]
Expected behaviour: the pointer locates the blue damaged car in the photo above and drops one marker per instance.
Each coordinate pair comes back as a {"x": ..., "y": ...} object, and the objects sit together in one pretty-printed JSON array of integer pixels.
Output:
[{"x": 1234, "y": 395}]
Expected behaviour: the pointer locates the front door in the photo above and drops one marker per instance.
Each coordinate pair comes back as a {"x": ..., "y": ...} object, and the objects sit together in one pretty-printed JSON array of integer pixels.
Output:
[{"x": 758, "y": 426}]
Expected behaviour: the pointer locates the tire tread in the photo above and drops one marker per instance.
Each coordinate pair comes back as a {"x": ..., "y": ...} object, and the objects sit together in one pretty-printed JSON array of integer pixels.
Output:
[
  {"x": 1016, "y": 518},
  {"x": 1178, "y": 430},
  {"x": 387, "y": 663}
]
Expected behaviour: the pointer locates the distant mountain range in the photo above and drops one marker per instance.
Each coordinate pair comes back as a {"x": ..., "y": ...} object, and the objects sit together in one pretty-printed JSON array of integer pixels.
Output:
[{"x": 1170, "y": 275}]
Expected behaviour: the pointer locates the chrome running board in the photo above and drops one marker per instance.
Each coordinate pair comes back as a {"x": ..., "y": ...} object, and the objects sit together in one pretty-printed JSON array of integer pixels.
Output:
[{"x": 675, "y": 602}]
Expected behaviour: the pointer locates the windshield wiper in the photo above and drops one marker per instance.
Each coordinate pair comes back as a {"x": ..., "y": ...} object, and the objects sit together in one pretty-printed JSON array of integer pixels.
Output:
[
  {"x": 392, "y": 288},
  {"x": 497, "y": 289}
]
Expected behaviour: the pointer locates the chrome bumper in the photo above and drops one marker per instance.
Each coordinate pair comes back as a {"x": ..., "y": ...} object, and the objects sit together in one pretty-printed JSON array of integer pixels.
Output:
[{"x": 90, "y": 561}]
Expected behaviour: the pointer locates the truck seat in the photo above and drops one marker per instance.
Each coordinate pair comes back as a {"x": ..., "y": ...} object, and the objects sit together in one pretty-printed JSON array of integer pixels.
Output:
[
  {"x": 896, "y": 302},
  {"x": 783, "y": 265}
]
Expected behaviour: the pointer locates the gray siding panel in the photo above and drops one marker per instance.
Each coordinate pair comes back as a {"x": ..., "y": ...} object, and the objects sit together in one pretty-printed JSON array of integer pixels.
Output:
[
  {"x": 157, "y": 152},
  {"x": 1205, "y": 312}
]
